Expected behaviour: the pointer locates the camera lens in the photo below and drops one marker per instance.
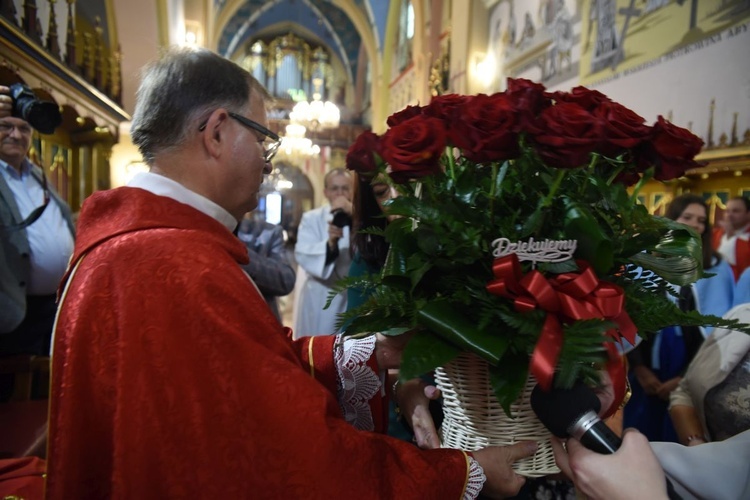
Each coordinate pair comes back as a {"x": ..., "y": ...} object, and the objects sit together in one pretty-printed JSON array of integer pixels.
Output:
[
  {"x": 341, "y": 218},
  {"x": 44, "y": 116}
]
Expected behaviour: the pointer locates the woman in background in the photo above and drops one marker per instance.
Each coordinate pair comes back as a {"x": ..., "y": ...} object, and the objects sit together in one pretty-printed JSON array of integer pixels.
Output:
[
  {"x": 712, "y": 401},
  {"x": 658, "y": 363},
  {"x": 368, "y": 250},
  {"x": 413, "y": 398}
]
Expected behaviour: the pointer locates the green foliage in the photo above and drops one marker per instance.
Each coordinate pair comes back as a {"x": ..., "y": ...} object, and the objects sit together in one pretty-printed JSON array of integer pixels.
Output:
[{"x": 440, "y": 262}]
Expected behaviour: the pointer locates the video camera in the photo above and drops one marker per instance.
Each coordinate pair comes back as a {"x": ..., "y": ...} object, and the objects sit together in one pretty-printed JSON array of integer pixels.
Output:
[
  {"x": 44, "y": 116},
  {"x": 341, "y": 218}
]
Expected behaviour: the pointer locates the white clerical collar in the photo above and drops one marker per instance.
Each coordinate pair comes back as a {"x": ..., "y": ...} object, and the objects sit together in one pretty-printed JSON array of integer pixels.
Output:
[{"x": 164, "y": 186}]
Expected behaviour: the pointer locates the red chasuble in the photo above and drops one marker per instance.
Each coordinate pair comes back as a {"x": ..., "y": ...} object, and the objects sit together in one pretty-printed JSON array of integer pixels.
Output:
[
  {"x": 741, "y": 252},
  {"x": 172, "y": 379}
]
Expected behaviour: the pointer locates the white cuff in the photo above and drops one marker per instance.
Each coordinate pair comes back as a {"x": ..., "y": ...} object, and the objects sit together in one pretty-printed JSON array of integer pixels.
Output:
[
  {"x": 476, "y": 480},
  {"x": 358, "y": 383}
]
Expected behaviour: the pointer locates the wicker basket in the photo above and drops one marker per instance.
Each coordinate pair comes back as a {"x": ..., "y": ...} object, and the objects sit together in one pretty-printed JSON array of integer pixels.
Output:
[{"x": 474, "y": 418}]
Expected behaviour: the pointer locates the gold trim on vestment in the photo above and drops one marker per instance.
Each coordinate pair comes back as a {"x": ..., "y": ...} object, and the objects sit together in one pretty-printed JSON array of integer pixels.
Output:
[{"x": 310, "y": 355}]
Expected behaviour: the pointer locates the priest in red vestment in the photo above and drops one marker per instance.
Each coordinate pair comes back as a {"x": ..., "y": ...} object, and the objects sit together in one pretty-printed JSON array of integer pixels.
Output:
[
  {"x": 173, "y": 379},
  {"x": 731, "y": 238}
]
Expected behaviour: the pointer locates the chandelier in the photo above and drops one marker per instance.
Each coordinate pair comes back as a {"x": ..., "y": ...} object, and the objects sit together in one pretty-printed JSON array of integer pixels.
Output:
[
  {"x": 275, "y": 182},
  {"x": 316, "y": 115},
  {"x": 295, "y": 147}
]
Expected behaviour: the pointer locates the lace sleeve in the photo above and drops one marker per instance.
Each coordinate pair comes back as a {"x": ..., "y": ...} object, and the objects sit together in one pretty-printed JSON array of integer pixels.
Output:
[
  {"x": 358, "y": 383},
  {"x": 476, "y": 480}
]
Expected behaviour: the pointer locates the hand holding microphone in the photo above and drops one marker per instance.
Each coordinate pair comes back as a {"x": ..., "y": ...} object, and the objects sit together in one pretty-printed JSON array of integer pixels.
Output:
[
  {"x": 633, "y": 472},
  {"x": 599, "y": 462},
  {"x": 574, "y": 412}
]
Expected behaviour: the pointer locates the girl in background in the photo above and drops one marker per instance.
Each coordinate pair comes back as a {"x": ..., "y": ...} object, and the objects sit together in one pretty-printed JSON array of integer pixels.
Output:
[{"x": 658, "y": 363}]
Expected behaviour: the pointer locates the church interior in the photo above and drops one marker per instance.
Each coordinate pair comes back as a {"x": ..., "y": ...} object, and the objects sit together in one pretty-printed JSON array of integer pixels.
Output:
[
  {"x": 371, "y": 59},
  {"x": 336, "y": 68}
]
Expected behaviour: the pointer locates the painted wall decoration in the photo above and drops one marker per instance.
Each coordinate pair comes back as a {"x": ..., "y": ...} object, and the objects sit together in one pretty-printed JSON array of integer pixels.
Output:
[
  {"x": 686, "y": 60},
  {"x": 620, "y": 36},
  {"x": 536, "y": 40}
]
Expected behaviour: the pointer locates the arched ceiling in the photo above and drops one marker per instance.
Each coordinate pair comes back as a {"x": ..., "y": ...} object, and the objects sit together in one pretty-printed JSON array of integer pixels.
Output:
[{"x": 324, "y": 18}]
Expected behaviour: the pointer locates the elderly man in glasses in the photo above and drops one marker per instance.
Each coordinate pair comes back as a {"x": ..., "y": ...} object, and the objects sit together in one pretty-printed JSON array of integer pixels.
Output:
[
  {"x": 36, "y": 235},
  {"x": 172, "y": 378}
]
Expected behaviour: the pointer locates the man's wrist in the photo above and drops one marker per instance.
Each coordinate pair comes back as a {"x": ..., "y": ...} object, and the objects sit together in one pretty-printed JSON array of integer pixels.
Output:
[{"x": 387, "y": 357}]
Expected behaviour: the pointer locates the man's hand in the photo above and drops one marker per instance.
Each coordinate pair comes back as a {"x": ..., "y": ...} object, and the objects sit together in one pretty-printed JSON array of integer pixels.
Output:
[
  {"x": 413, "y": 398},
  {"x": 335, "y": 233},
  {"x": 6, "y": 102},
  {"x": 342, "y": 203},
  {"x": 388, "y": 350},
  {"x": 631, "y": 472},
  {"x": 497, "y": 461}
]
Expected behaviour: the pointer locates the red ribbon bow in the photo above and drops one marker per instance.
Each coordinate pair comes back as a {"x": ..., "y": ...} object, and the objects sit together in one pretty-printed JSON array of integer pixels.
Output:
[{"x": 567, "y": 297}]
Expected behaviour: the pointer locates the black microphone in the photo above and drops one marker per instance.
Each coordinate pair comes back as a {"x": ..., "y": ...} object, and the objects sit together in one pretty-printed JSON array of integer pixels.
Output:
[{"x": 574, "y": 412}]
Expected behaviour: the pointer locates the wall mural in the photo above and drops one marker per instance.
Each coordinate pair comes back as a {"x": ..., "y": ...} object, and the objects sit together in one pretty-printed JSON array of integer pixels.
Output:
[
  {"x": 593, "y": 41},
  {"x": 623, "y": 47},
  {"x": 537, "y": 39},
  {"x": 622, "y": 36}
]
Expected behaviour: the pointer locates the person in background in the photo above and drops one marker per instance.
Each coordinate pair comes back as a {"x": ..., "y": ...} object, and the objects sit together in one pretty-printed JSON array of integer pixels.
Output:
[
  {"x": 368, "y": 256},
  {"x": 268, "y": 267},
  {"x": 714, "y": 294},
  {"x": 732, "y": 238},
  {"x": 172, "y": 378},
  {"x": 34, "y": 247},
  {"x": 368, "y": 250},
  {"x": 322, "y": 251},
  {"x": 658, "y": 363},
  {"x": 711, "y": 403}
]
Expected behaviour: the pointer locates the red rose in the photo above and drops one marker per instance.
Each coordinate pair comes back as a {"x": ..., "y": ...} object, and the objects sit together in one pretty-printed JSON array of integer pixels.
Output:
[
  {"x": 528, "y": 98},
  {"x": 586, "y": 98},
  {"x": 360, "y": 156},
  {"x": 487, "y": 129},
  {"x": 413, "y": 148},
  {"x": 673, "y": 149},
  {"x": 566, "y": 135},
  {"x": 622, "y": 128},
  {"x": 446, "y": 107},
  {"x": 403, "y": 115}
]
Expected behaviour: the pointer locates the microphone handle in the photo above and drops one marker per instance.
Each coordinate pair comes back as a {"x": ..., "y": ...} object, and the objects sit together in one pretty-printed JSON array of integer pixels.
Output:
[{"x": 601, "y": 439}]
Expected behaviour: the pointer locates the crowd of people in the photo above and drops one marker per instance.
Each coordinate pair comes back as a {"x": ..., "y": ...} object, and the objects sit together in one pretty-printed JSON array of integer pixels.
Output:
[{"x": 172, "y": 370}]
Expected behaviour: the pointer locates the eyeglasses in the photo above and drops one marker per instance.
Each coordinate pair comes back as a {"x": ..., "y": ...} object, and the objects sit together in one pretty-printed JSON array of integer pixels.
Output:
[
  {"x": 7, "y": 128},
  {"x": 269, "y": 151}
]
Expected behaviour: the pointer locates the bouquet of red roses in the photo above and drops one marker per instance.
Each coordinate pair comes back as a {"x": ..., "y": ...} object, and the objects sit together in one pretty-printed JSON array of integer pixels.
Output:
[{"x": 518, "y": 239}]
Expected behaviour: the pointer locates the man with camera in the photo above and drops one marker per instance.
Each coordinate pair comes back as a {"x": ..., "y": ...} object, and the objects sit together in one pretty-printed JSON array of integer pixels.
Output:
[
  {"x": 322, "y": 252},
  {"x": 36, "y": 228}
]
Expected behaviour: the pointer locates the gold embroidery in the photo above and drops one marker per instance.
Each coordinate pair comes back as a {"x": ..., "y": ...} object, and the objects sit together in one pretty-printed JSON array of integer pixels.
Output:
[
  {"x": 468, "y": 470},
  {"x": 310, "y": 355}
]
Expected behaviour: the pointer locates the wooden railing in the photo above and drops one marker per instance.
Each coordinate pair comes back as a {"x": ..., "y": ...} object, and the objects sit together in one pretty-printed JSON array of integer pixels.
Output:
[
  {"x": 82, "y": 49},
  {"x": 78, "y": 70}
]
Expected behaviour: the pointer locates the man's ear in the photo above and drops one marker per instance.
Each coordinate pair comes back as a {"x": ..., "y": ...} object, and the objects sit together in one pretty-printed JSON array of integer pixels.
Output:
[{"x": 214, "y": 133}]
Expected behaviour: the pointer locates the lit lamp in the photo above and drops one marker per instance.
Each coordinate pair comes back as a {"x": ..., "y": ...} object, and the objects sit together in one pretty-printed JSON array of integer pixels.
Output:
[
  {"x": 295, "y": 146},
  {"x": 316, "y": 115}
]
